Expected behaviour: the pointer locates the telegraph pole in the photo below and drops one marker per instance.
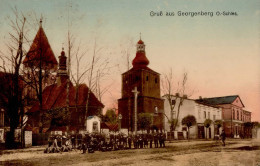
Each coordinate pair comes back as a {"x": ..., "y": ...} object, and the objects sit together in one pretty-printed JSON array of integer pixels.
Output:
[{"x": 135, "y": 107}]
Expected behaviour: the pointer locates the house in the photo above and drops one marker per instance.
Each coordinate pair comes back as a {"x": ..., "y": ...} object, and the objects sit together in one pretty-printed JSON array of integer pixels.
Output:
[
  {"x": 233, "y": 113},
  {"x": 200, "y": 111}
]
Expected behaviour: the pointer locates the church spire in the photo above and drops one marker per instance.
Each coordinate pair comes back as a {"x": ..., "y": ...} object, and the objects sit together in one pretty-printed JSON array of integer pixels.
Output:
[
  {"x": 41, "y": 22},
  {"x": 62, "y": 61},
  {"x": 40, "y": 50},
  {"x": 62, "y": 71}
]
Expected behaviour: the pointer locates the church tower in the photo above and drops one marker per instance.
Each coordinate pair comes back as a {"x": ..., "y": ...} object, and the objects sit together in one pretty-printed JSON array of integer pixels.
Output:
[
  {"x": 147, "y": 82},
  {"x": 62, "y": 74},
  {"x": 40, "y": 57}
]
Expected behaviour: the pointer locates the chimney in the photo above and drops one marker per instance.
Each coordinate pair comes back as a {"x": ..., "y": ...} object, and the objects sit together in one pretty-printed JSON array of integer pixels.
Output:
[
  {"x": 200, "y": 97},
  {"x": 177, "y": 94},
  {"x": 185, "y": 96}
]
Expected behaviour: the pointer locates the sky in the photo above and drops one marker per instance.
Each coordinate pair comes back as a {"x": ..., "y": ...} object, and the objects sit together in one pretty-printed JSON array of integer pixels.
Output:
[{"x": 221, "y": 54}]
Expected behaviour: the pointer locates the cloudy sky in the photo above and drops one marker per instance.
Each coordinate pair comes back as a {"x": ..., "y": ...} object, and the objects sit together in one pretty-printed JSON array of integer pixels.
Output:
[{"x": 220, "y": 53}]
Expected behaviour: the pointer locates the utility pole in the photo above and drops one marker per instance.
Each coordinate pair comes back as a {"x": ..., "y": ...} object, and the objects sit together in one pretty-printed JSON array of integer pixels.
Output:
[{"x": 135, "y": 107}]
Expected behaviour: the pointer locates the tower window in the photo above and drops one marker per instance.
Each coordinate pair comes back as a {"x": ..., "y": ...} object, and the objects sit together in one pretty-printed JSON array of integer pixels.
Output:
[
  {"x": 147, "y": 78},
  {"x": 155, "y": 80}
]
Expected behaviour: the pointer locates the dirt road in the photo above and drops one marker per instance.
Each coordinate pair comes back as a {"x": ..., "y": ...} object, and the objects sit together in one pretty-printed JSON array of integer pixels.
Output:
[{"x": 195, "y": 153}]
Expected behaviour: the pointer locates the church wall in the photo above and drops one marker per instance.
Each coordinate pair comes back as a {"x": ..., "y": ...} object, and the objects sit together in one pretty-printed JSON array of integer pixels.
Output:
[{"x": 150, "y": 84}]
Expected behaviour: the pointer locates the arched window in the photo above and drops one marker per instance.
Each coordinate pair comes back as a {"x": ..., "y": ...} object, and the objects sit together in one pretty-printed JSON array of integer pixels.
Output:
[{"x": 95, "y": 126}]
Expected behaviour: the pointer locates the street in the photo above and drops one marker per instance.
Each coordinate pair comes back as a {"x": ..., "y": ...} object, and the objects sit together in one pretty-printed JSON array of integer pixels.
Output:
[{"x": 194, "y": 152}]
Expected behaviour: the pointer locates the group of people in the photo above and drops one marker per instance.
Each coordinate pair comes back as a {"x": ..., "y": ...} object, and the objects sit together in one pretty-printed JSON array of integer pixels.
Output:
[
  {"x": 58, "y": 143},
  {"x": 104, "y": 142}
]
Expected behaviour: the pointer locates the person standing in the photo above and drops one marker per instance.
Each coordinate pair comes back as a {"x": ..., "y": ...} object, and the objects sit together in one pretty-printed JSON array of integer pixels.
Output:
[
  {"x": 163, "y": 139},
  {"x": 151, "y": 140},
  {"x": 156, "y": 140},
  {"x": 223, "y": 137},
  {"x": 129, "y": 141}
]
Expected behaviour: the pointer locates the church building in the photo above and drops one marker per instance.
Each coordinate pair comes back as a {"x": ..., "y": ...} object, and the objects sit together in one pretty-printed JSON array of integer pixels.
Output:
[
  {"x": 63, "y": 103},
  {"x": 149, "y": 99}
]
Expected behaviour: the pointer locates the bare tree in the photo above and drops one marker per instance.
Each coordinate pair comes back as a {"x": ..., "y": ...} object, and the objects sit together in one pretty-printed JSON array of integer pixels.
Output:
[
  {"x": 11, "y": 83},
  {"x": 38, "y": 69},
  {"x": 175, "y": 94},
  {"x": 94, "y": 71},
  {"x": 127, "y": 52}
]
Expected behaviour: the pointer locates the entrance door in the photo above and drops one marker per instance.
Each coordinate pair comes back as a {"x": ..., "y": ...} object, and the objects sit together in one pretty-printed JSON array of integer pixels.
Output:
[
  {"x": 201, "y": 133},
  {"x": 209, "y": 132}
]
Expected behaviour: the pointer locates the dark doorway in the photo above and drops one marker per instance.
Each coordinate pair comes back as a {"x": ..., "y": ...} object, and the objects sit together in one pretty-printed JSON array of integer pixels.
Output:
[
  {"x": 201, "y": 133},
  {"x": 209, "y": 132}
]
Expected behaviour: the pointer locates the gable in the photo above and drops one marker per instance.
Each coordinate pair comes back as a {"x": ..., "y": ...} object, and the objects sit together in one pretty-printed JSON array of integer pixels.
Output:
[{"x": 237, "y": 102}]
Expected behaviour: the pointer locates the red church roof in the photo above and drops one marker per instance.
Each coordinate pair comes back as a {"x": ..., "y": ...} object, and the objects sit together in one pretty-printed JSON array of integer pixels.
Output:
[
  {"x": 40, "y": 46},
  {"x": 140, "y": 60},
  {"x": 54, "y": 96},
  {"x": 140, "y": 42}
]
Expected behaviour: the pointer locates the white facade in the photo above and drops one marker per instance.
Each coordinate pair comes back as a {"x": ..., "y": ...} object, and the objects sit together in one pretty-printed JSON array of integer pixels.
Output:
[
  {"x": 199, "y": 111},
  {"x": 93, "y": 124}
]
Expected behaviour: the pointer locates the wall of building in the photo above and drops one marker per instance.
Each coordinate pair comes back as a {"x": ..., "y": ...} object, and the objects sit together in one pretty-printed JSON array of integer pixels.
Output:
[
  {"x": 234, "y": 116},
  {"x": 146, "y": 81},
  {"x": 200, "y": 112},
  {"x": 150, "y": 84}
]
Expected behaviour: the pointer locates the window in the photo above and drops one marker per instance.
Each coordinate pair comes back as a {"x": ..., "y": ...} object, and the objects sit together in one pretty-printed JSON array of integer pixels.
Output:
[
  {"x": 205, "y": 114},
  {"x": 2, "y": 118},
  {"x": 131, "y": 78},
  {"x": 208, "y": 115},
  {"x": 237, "y": 115},
  {"x": 155, "y": 80},
  {"x": 95, "y": 126},
  {"x": 233, "y": 114},
  {"x": 147, "y": 78},
  {"x": 214, "y": 117},
  {"x": 173, "y": 102}
]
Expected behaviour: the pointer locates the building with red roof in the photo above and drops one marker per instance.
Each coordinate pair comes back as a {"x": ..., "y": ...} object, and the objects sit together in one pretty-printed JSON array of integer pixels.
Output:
[
  {"x": 233, "y": 113},
  {"x": 62, "y": 107},
  {"x": 55, "y": 105},
  {"x": 40, "y": 52},
  {"x": 39, "y": 63}
]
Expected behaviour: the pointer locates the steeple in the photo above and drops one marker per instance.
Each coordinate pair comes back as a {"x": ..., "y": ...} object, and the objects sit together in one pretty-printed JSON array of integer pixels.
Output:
[
  {"x": 62, "y": 61},
  {"x": 62, "y": 71},
  {"x": 40, "y": 50},
  {"x": 140, "y": 60}
]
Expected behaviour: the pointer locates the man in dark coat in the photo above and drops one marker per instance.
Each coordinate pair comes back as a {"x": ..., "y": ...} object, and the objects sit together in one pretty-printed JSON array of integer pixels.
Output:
[
  {"x": 223, "y": 137},
  {"x": 129, "y": 141},
  {"x": 151, "y": 140},
  {"x": 163, "y": 139},
  {"x": 155, "y": 138}
]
